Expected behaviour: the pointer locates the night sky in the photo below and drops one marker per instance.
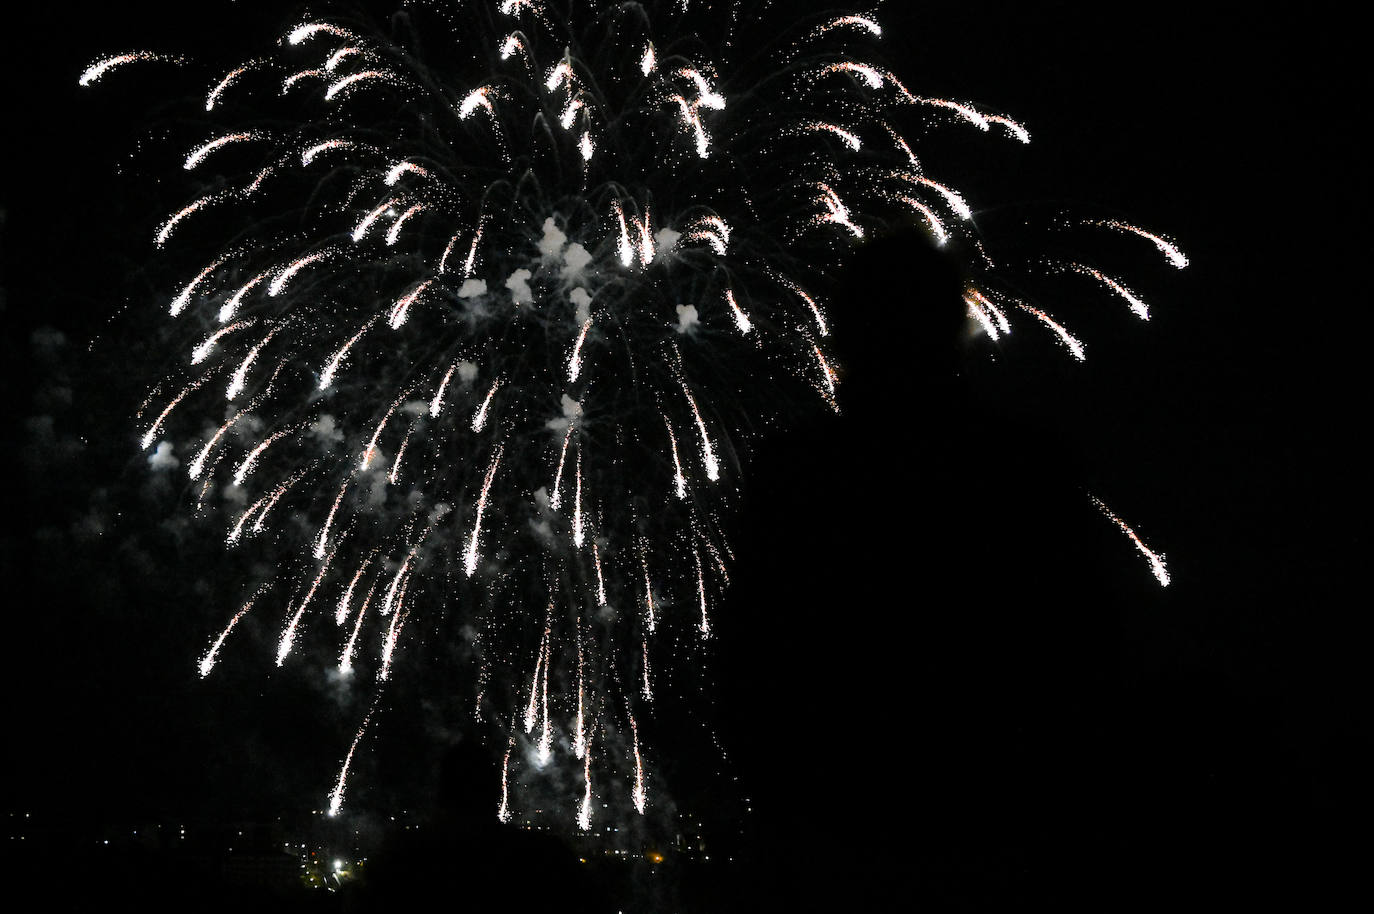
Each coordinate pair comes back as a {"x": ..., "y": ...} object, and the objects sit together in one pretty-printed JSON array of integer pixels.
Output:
[{"x": 941, "y": 675}]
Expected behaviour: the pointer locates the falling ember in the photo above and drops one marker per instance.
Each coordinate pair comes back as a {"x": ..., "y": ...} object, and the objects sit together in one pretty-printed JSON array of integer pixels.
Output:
[
  {"x": 555, "y": 499},
  {"x": 339, "y": 57},
  {"x": 705, "y": 625},
  {"x": 198, "y": 464},
  {"x": 546, "y": 729},
  {"x": 438, "y": 401},
  {"x": 276, "y": 496},
  {"x": 365, "y": 224},
  {"x": 337, "y": 794},
  {"x": 470, "y": 558},
  {"x": 569, "y": 115},
  {"x": 707, "y": 97},
  {"x": 353, "y": 79},
  {"x": 402, "y": 168},
  {"x": 584, "y": 812},
  {"x": 718, "y": 559},
  {"x": 708, "y": 454},
  {"x": 532, "y": 709},
  {"x": 228, "y": 309},
  {"x": 1011, "y": 126},
  {"x": 741, "y": 319},
  {"x": 861, "y": 22},
  {"x": 237, "y": 532},
  {"x": 346, "y": 658},
  {"x": 714, "y": 231},
  {"x": 1137, "y": 306},
  {"x": 395, "y": 473},
  {"x": 201, "y": 352},
  {"x": 341, "y": 611},
  {"x": 991, "y": 310},
  {"x": 579, "y": 729},
  {"x": 557, "y": 74},
  {"x": 1155, "y": 559},
  {"x": 577, "y": 527},
  {"x": 323, "y": 539},
  {"x": 394, "y": 233},
  {"x": 393, "y": 633},
  {"x": 370, "y": 451},
  {"x": 281, "y": 279},
  {"x": 966, "y": 112},
  {"x": 1070, "y": 342},
  {"x": 937, "y": 228},
  {"x": 294, "y": 78},
  {"x": 151, "y": 435},
  {"x": 650, "y": 617},
  {"x": 646, "y": 240},
  {"x": 269, "y": 500},
  {"x": 871, "y": 77},
  {"x": 183, "y": 297},
  {"x": 679, "y": 481},
  {"x": 207, "y": 663},
  {"x": 836, "y": 212},
  {"x": 646, "y": 688},
  {"x": 848, "y": 138},
  {"x": 479, "y": 420},
  {"x": 905, "y": 148},
  {"x": 638, "y": 794},
  {"x": 308, "y": 30},
  {"x": 256, "y": 183},
  {"x": 600, "y": 581},
  {"x": 691, "y": 120},
  {"x": 395, "y": 592},
  {"x": 821, "y": 327},
  {"x": 627, "y": 254},
  {"x": 1166, "y": 247},
  {"x": 575, "y": 360},
  {"x": 471, "y": 260},
  {"x": 202, "y": 152},
  {"x": 477, "y": 98},
  {"x": 978, "y": 312},
  {"x": 164, "y": 231},
  {"x": 288, "y": 635},
  {"x": 240, "y": 376},
  {"x": 103, "y": 66},
  {"x": 503, "y": 810},
  {"x": 951, "y": 196},
  {"x": 827, "y": 373},
  {"x": 327, "y": 376}
]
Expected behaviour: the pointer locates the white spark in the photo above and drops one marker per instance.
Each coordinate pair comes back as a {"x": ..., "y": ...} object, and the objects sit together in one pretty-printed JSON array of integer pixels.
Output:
[
  {"x": 1070, "y": 342},
  {"x": 337, "y": 794},
  {"x": 1166, "y": 247},
  {"x": 207, "y": 662},
  {"x": 575, "y": 360},
  {"x": 1138, "y": 307},
  {"x": 1155, "y": 559},
  {"x": 479, "y": 420},
  {"x": 470, "y": 558}
]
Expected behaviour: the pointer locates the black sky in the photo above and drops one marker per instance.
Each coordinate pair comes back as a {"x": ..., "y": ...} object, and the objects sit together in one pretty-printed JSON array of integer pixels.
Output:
[{"x": 1050, "y": 725}]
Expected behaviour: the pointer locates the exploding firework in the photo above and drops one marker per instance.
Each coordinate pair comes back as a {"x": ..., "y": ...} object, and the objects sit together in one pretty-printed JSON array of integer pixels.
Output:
[{"x": 496, "y": 296}]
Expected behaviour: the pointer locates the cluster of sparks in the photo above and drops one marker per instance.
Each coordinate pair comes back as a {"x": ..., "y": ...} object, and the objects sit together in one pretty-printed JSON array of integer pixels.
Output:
[{"x": 492, "y": 328}]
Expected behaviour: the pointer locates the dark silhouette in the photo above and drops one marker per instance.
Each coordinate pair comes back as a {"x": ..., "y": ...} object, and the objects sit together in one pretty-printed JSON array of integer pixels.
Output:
[{"x": 922, "y": 685}]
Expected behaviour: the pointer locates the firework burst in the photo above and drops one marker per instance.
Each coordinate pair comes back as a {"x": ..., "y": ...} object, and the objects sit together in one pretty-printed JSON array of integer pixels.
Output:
[{"x": 497, "y": 296}]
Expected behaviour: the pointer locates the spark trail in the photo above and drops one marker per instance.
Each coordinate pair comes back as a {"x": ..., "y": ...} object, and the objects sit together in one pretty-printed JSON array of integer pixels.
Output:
[{"x": 1155, "y": 559}]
